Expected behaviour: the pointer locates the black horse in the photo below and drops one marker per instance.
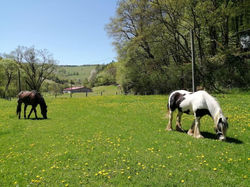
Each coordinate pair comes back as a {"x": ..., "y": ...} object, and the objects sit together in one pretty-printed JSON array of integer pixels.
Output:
[{"x": 32, "y": 98}]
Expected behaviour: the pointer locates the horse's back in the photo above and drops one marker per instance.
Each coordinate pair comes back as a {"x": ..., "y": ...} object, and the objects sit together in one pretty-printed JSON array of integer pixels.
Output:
[
  {"x": 198, "y": 100},
  {"x": 29, "y": 97},
  {"x": 175, "y": 98}
]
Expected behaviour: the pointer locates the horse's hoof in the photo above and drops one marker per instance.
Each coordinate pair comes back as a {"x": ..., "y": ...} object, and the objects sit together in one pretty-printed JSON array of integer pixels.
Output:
[
  {"x": 190, "y": 132},
  {"x": 199, "y": 136},
  {"x": 179, "y": 129},
  {"x": 169, "y": 129}
]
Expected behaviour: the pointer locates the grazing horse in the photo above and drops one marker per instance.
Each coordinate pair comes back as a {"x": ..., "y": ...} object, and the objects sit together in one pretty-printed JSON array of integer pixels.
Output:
[
  {"x": 199, "y": 103},
  {"x": 32, "y": 98}
]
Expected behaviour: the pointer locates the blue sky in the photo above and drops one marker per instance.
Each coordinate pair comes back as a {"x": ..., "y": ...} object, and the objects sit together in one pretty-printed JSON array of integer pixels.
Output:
[{"x": 72, "y": 30}]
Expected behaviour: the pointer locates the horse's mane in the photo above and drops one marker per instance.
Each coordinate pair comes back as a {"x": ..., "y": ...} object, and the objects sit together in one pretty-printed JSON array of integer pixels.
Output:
[
  {"x": 42, "y": 101},
  {"x": 213, "y": 105}
]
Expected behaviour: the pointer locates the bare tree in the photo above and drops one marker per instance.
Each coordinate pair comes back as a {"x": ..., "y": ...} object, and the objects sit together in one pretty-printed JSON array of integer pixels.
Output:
[{"x": 38, "y": 66}]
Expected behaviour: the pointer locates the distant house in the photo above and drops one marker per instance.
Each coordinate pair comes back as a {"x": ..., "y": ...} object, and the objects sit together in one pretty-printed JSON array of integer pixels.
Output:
[{"x": 76, "y": 89}]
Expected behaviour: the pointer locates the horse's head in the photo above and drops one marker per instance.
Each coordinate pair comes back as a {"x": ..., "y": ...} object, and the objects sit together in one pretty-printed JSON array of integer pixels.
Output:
[
  {"x": 44, "y": 111},
  {"x": 221, "y": 128}
]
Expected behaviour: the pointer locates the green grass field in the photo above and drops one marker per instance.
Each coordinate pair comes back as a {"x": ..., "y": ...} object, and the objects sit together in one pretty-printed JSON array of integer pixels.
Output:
[
  {"x": 74, "y": 73},
  {"x": 120, "y": 141}
]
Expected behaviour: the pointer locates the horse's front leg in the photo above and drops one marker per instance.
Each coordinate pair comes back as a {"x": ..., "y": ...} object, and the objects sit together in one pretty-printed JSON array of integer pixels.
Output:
[
  {"x": 170, "y": 116},
  {"x": 197, "y": 133},
  {"x": 25, "y": 107},
  {"x": 35, "y": 112},
  {"x": 191, "y": 130},
  {"x": 30, "y": 112},
  {"x": 178, "y": 122}
]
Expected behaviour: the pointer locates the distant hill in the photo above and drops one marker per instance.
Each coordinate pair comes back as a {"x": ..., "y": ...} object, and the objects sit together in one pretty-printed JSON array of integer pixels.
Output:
[{"x": 75, "y": 73}]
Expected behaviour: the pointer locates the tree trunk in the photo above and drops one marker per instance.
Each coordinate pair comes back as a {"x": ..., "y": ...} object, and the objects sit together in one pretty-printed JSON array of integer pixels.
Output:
[{"x": 213, "y": 38}]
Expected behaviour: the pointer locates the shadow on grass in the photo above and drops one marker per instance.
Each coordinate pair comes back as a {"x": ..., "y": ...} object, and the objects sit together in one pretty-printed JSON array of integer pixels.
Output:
[
  {"x": 34, "y": 119},
  {"x": 214, "y": 137},
  {"x": 38, "y": 119},
  {"x": 4, "y": 132}
]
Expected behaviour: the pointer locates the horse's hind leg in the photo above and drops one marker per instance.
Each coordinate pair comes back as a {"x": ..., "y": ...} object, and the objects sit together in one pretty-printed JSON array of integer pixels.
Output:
[
  {"x": 178, "y": 122},
  {"x": 169, "y": 126},
  {"x": 25, "y": 107}
]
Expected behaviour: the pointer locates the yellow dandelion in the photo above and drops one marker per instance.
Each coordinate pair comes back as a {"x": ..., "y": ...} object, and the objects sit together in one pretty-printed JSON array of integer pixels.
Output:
[
  {"x": 129, "y": 177},
  {"x": 182, "y": 181},
  {"x": 248, "y": 159},
  {"x": 215, "y": 169},
  {"x": 245, "y": 176}
]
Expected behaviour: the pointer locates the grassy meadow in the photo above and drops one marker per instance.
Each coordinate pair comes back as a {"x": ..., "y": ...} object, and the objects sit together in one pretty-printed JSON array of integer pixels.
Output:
[
  {"x": 119, "y": 141},
  {"x": 74, "y": 73}
]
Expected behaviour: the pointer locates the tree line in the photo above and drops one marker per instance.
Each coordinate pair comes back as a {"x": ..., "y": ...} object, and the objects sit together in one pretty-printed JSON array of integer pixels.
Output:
[
  {"x": 28, "y": 68},
  {"x": 152, "y": 39}
]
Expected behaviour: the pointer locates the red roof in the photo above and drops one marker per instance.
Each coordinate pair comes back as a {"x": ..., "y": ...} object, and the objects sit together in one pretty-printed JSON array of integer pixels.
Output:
[{"x": 73, "y": 88}]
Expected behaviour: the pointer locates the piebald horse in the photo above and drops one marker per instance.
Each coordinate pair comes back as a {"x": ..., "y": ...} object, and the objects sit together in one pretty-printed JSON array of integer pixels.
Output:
[
  {"x": 199, "y": 103},
  {"x": 32, "y": 98}
]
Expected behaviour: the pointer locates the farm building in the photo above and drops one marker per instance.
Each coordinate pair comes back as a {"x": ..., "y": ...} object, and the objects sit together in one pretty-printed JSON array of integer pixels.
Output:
[{"x": 76, "y": 89}]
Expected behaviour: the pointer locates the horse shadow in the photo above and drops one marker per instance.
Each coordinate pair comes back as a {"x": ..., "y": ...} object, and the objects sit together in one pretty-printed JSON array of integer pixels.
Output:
[
  {"x": 38, "y": 118},
  {"x": 214, "y": 137}
]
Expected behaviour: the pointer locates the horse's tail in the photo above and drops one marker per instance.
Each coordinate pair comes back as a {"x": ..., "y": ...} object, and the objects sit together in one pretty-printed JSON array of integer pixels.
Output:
[
  {"x": 168, "y": 107},
  {"x": 19, "y": 108}
]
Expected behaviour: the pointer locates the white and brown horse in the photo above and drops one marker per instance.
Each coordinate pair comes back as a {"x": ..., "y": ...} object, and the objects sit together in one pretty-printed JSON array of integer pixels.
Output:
[{"x": 199, "y": 103}]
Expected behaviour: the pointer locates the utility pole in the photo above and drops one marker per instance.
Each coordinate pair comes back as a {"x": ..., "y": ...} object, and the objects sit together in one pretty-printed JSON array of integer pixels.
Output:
[
  {"x": 71, "y": 82},
  {"x": 193, "y": 59},
  {"x": 19, "y": 80}
]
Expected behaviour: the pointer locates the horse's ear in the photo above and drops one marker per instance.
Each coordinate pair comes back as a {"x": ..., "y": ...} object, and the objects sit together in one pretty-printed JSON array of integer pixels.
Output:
[{"x": 220, "y": 120}]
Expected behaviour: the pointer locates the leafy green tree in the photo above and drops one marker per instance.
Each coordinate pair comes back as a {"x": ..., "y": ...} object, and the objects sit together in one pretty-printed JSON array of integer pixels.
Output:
[
  {"x": 107, "y": 76},
  {"x": 152, "y": 39},
  {"x": 10, "y": 71}
]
